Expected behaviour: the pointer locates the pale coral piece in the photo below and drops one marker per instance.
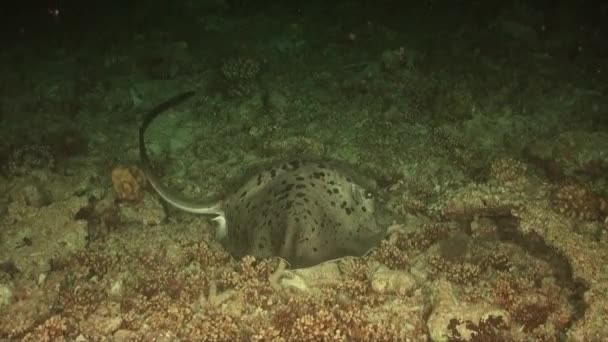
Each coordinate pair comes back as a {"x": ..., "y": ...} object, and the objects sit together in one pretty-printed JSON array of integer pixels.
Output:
[{"x": 128, "y": 183}]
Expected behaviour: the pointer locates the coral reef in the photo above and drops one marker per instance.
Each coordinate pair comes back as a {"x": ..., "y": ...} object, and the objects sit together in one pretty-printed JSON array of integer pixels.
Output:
[
  {"x": 455, "y": 104},
  {"x": 449, "y": 310},
  {"x": 295, "y": 145},
  {"x": 454, "y": 279},
  {"x": 571, "y": 154},
  {"x": 149, "y": 212},
  {"x": 488, "y": 328},
  {"x": 399, "y": 249},
  {"x": 239, "y": 74},
  {"x": 25, "y": 158},
  {"x": 508, "y": 172},
  {"x": 69, "y": 142},
  {"x": 576, "y": 200},
  {"x": 28, "y": 229},
  {"x": 480, "y": 246},
  {"x": 199, "y": 293},
  {"x": 538, "y": 219},
  {"x": 457, "y": 149},
  {"x": 463, "y": 273},
  {"x": 396, "y": 58}
]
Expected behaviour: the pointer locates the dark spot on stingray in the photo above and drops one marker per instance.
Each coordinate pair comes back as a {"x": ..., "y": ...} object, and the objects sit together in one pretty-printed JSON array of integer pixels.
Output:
[
  {"x": 336, "y": 191},
  {"x": 363, "y": 209},
  {"x": 273, "y": 173},
  {"x": 285, "y": 190},
  {"x": 318, "y": 175},
  {"x": 314, "y": 249},
  {"x": 300, "y": 186},
  {"x": 288, "y": 205},
  {"x": 300, "y": 178},
  {"x": 331, "y": 182},
  {"x": 343, "y": 205},
  {"x": 297, "y": 219},
  {"x": 348, "y": 180},
  {"x": 295, "y": 164},
  {"x": 260, "y": 245},
  {"x": 312, "y": 184},
  {"x": 332, "y": 203},
  {"x": 348, "y": 211},
  {"x": 329, "y": 192}
]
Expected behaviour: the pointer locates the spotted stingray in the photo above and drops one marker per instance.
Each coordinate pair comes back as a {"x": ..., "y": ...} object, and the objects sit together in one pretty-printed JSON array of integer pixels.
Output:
[{"x": 305, "y": 212}]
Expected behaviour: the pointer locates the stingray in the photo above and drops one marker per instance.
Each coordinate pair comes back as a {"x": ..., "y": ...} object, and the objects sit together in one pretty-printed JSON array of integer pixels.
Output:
[{"x": 303, "y": 211}]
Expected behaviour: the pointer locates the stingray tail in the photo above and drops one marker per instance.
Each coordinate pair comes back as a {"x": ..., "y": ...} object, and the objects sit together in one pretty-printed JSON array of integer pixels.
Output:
[{"x": 210, "y": 206}]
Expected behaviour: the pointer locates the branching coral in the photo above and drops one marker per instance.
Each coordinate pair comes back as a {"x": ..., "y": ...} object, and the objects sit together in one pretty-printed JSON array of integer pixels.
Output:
[
  {"x": 397, "y": 250},
  {"x": 307, "y": 319},
  {"x": 464, "y": 272},
  {"x": 53, "y": 329},
  {"x": 577, "y": 201},
  {"x": 239, "y": 74},
  {"x": 508, "y": 172},
  {"x": 492, "y": 328}
]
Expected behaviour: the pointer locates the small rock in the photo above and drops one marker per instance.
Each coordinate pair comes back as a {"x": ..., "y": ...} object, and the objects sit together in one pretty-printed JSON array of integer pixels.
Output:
[
  {"x": 295, "y": 283},
  {"x": 387, "y": 281},
  {"x": 278, "y": 100},
  {"x": 6, "y": 295},
  {"x": 81, "y": 338},
  {"x": 104, "y": 321},
  {"x": 125, "y": 335},
  {"x": 149, "y": 212},
  {"x": 35, "y": 195},
  {"x": 116, "y": 289},
  {"x": 41, "y": 278}
]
